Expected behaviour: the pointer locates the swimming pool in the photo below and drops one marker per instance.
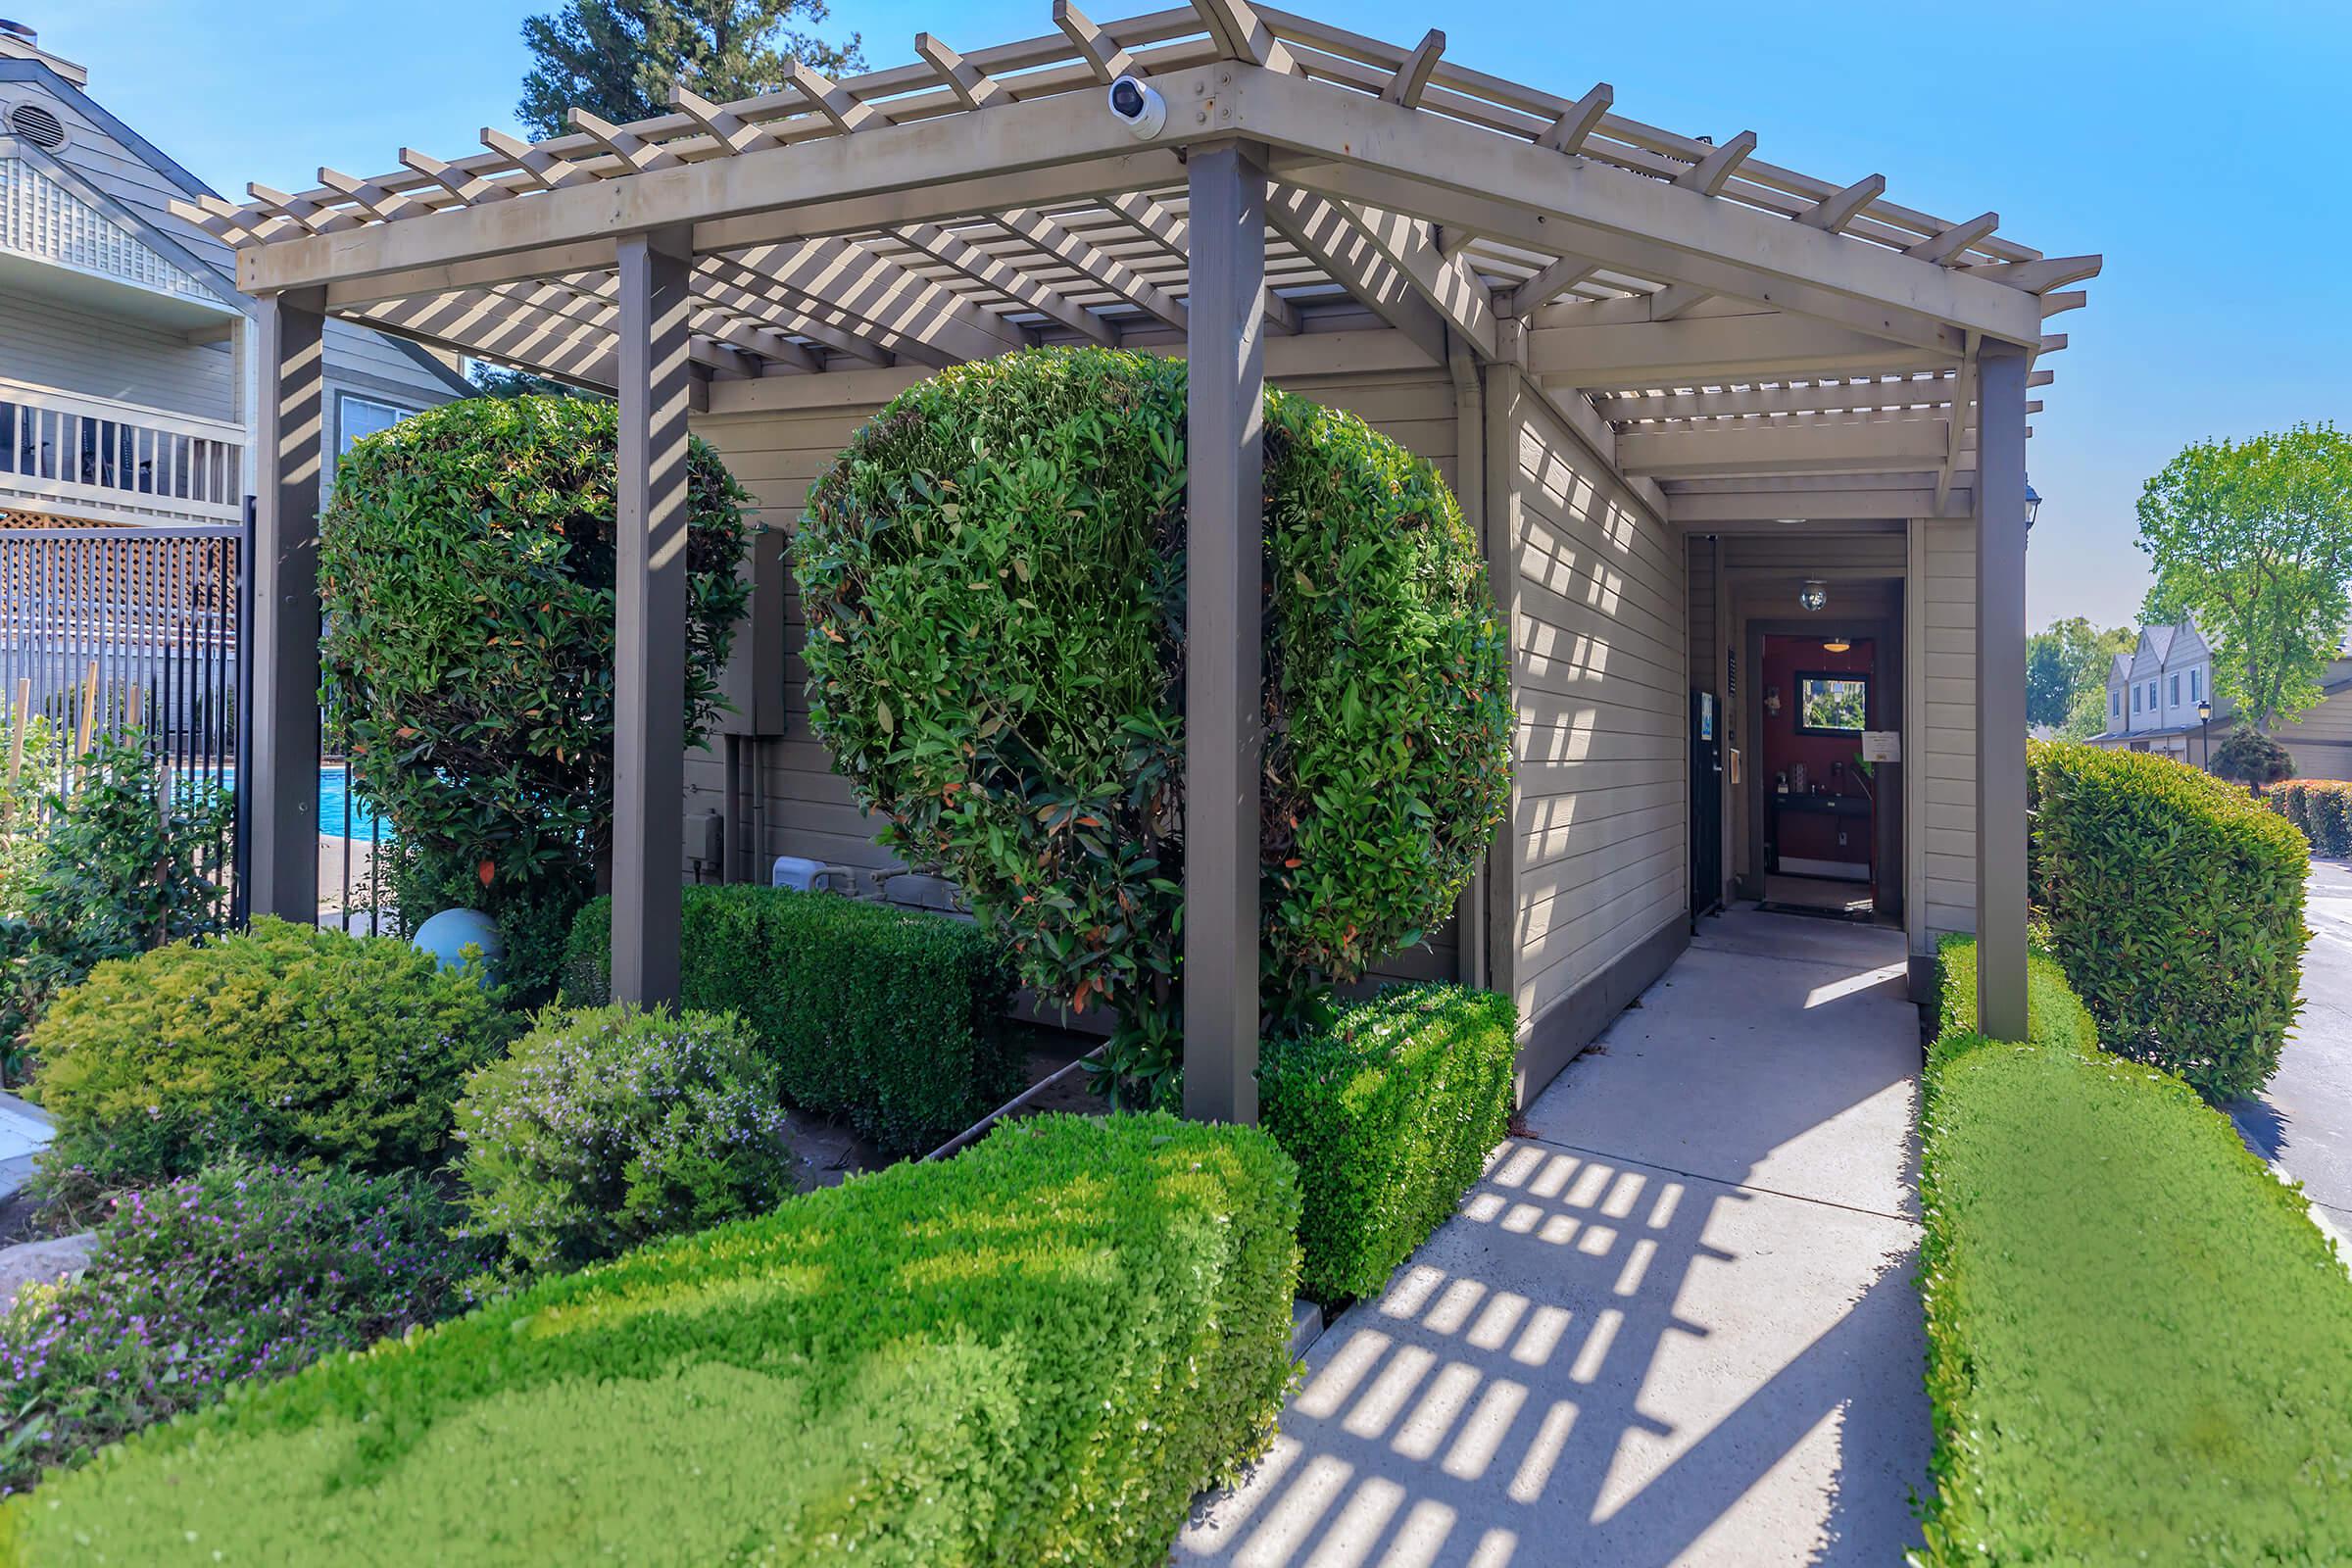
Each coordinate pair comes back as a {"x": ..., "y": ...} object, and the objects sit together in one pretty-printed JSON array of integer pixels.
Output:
[{"x": 341, "y": 816}]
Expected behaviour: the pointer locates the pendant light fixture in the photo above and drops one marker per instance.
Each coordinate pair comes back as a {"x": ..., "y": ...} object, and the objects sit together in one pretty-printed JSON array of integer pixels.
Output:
[
  {"x": 1839, "y": 644},
  {"x": 1813, "y": 595}
]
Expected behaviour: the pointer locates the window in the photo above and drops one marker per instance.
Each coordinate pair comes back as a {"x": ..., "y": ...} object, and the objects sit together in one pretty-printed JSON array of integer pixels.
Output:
[
  {"x": 2114, "y": 701},
  {"x": 358, "y": 416},
  {"x": 1832, "y": 705},
  {"x": 2136, "y": 699},
  {"x": 2176, "y": 691},
  {"x": 2195, "y": 694},
  {"x": 2151, "y": 697}
]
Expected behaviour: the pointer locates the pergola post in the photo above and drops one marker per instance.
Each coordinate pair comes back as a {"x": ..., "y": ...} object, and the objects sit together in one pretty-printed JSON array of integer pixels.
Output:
[
  {"x": 281, "y": 863},
  {"x": 649, "y": 687},
  {"x": 1224, "y": 664},
  {"x": 2001, "y": 692}
]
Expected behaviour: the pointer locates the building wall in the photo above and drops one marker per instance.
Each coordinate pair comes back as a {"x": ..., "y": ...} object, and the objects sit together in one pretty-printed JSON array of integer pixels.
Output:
[
  {"x": 48, "y": 342},
  {"x": 1941, "y": 612},
  {"x": 806, "y": 809},
  {"x": 1597, "y": 899}
]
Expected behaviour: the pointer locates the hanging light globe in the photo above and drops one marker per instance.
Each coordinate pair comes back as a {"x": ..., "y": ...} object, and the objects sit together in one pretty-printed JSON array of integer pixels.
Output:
[{"x": 1814, "y": 594}]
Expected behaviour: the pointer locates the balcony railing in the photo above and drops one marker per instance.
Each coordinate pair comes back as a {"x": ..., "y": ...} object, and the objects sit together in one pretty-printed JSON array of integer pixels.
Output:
[{"x": 95, "y": 456}]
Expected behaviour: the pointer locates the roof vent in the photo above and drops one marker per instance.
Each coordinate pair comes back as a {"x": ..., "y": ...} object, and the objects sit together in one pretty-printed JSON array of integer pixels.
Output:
[{"x": 37, "y": 126}]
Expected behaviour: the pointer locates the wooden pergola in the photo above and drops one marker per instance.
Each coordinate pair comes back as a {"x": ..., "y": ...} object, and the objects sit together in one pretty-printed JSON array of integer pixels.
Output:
[{"x": 1739, "y": 342}]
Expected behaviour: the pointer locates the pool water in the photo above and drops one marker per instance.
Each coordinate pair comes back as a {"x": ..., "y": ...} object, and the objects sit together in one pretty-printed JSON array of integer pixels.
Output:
[{"x": 341, "y": 816}]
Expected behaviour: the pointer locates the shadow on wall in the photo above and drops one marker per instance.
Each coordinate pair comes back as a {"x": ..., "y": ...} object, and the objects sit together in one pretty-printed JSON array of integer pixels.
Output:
[{"x": 1600, "y": 1362}]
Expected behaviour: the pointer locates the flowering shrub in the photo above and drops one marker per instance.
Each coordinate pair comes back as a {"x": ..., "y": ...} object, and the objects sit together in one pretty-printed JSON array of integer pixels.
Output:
[
  {"x": 240, "y": 1271},
  {"x": 285, "y": 1042},
  {"x": 610, "y": 1126}
]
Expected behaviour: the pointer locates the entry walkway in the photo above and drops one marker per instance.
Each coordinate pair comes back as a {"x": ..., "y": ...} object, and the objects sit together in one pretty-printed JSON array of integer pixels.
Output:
[{"x": 1676, "y": 1325}]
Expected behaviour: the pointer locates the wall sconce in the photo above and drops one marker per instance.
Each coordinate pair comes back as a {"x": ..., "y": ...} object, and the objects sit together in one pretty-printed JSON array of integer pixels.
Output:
[{"x": 1814, "y": 594}]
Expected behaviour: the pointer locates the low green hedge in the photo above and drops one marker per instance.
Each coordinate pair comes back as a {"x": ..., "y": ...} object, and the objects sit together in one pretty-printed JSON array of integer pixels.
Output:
[
  {"x": 2054, "y": 1015},
  {"x": 1390, "y": 1115},
  {"x": 2323, "y": 808},
  {"x": 2139, "y": 1348},
  {"x": 891, "y": 1018},
  {"x": 2175, "y": 903},
  {"x": 1036, "y": 1352}
]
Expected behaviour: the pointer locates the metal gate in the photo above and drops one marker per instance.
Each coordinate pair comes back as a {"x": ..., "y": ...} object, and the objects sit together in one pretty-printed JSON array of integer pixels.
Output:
[{"x": 100, "y": 626}]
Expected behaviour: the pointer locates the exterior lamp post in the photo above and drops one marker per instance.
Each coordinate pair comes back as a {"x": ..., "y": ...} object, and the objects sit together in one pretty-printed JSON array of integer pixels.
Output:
[
  {"x": 2204, "y": 718},
  {"x": 2033, "y": 505}
]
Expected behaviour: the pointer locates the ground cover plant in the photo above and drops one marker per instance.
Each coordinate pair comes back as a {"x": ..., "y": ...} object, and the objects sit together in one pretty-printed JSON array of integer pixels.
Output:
[
  {"x": 287, "y": 1042},
  {"x": 607, "y": 1127},
  {"x": 1034, "y": 1353},
  {"x": 992, "y": 574},
  {"x": 2175, "y": 903},
  {"x": 1391, "y": 1113},
  {"x": 466, "y": 570},
  {"x": 240, "y": 1271},
  {"x": 891, "y": 1019},
  {"x": 2140, "y": 1345}
]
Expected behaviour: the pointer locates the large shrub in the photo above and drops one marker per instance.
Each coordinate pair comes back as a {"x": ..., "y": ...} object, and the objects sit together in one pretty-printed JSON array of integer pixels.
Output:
[
  {"x": 2252, "y": 758},
  {"x": 2323, "y": 810},
  {"x": 2138, "y": 1345},
  {"x": 893, "y": 1019},
  {"x": 1391, "y": 1114},
  {"x": 466, "y": 568},
  {"x": 994, "y": 577},
  {"x": 2175, "y": 903},
  {"x": 1035, "y": 1353},
  {"x": 287, "y": 1043},
  {"x": 241, "y": 1271},
  {"x": 607, "y": 1127}
]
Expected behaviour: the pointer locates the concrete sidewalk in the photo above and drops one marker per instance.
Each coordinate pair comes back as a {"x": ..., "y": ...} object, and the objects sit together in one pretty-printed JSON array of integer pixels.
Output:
[{"x": 1677, "y": 1325}]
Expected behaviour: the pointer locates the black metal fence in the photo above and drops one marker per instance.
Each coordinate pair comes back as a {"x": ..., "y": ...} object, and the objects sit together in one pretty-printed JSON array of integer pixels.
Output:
[{"x": 105, "y": 629}]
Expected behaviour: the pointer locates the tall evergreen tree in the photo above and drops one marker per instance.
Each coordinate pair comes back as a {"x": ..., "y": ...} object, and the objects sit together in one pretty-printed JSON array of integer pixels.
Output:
[{"x": 618, "y": 58}]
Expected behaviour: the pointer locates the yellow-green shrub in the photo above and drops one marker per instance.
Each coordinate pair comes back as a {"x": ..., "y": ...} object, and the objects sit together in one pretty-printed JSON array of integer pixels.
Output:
[
  {"x": 1035, "y": 1353},
  {"x": 285, "y": 1042},
  {"x": 2139, "y": 1347},
  {"x": 1391, "y": 1114},
  {"x": 2175, "y": 903}
]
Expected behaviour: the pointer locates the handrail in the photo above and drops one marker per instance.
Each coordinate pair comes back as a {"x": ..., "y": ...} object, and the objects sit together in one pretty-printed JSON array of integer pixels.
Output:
[{"x": 101, "y": 408}]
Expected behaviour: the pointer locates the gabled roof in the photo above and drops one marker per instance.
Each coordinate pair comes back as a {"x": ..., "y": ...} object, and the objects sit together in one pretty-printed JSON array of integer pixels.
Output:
[
  {"x": 2119, "y": 667},
  {"x": 39, "y": 73}
]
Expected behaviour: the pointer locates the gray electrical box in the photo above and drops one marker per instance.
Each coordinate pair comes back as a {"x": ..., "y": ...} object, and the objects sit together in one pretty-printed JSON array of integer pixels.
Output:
[{"x": 753, "y": 683}]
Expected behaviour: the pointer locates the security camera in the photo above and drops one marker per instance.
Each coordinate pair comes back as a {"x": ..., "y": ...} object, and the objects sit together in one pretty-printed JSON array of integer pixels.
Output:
[{"x": 1139, "y": 108}]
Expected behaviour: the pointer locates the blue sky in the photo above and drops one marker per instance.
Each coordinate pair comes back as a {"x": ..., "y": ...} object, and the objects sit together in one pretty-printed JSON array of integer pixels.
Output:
[{"x": 2195, "y": 146}]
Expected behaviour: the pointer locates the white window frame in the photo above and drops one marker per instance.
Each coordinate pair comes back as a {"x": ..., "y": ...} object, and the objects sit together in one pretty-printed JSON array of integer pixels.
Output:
[{"x": 343, "y": 403}]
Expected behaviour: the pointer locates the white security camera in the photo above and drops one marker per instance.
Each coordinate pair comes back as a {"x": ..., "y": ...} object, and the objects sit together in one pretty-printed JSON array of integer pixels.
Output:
[{"x": 1139, "y": 108}]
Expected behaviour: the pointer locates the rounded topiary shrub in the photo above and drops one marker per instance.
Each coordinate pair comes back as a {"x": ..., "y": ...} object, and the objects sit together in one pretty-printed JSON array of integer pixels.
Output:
[
  {"x": 286, "y": 1043},
  {"x": 609, "y": 1126},
  {"x": 2252, "y": 758},
  {"x": 994, "y": 578},
  {"x": 466, "y": 569},
  {"x": 2175, "y": 903}
]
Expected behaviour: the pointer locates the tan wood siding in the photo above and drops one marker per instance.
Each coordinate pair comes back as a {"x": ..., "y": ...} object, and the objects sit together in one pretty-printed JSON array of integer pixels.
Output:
[
  {"x": 1943, "y": 726},
  {"x": 1602, "y": 645},
  {"x": 809, "y": 807}
]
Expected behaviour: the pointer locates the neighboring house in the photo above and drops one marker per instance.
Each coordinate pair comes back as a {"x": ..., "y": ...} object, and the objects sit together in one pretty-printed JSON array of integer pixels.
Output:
[
  {"x": 127, "y": 387},
  {"x": 2153, "y": 693}
]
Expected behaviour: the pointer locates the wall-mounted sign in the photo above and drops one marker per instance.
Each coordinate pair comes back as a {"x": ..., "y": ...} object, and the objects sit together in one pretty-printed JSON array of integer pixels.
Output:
[{"x": 1881, "y": 745}]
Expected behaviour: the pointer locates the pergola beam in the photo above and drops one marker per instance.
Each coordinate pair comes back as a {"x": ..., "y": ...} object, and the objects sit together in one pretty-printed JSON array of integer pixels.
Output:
[
  {"x": 1707, "y": 351},
  {"x": 1898, "y": 446},
  {"x": 1339, "y": 245}
]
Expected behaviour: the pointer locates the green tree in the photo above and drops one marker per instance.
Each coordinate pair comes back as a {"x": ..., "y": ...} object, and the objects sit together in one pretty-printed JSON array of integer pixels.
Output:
[
  {"x": 2255, "y": 539},
  {"x": 2065, "y": 674},
  {"x": 616, "y": 59}
]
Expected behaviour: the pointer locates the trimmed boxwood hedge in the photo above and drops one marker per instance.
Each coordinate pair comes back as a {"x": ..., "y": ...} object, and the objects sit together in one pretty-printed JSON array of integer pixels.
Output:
[
  {"x": 2323, "y": 808},
  {"x": 2175, "y": 903},
  {"x": 2139, "y": 1347},
  {"x": 1391, "y": 1114},
  {"x": 1036, "y": 1352},
  {"x": 994, "y": 575},
  {"x": 891, "y": 1018}
]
